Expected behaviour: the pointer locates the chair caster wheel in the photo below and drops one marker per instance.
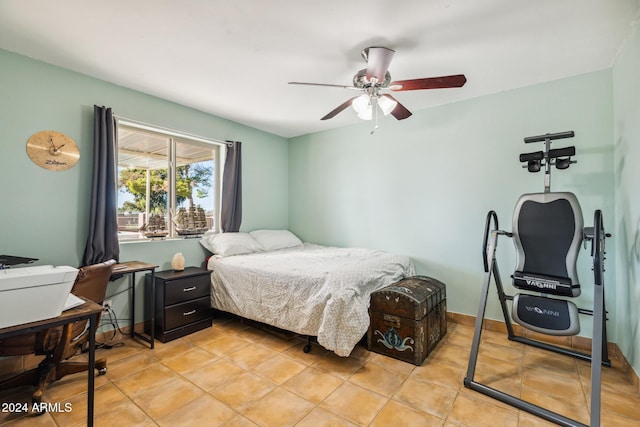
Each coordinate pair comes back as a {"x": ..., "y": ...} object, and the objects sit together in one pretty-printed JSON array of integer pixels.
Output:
[
  {"x": 307, "y": 348},
  {"x": 102, "y": 371}
]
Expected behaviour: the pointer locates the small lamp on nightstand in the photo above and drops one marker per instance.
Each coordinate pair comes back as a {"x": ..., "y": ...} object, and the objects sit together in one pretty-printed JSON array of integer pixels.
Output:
[{"x": 177, "y": 262}]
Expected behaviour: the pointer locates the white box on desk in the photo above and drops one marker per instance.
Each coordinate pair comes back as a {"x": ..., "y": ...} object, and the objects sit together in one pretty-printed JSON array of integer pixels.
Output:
[{"x": 30, "y": 294}]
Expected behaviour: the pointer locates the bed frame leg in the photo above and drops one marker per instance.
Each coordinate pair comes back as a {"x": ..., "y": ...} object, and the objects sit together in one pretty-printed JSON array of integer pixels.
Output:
[{"x": 307, "y": 347}]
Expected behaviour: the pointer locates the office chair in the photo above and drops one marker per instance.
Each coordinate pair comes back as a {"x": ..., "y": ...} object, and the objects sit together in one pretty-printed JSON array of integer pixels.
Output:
[{"x": 62, "y": 342}]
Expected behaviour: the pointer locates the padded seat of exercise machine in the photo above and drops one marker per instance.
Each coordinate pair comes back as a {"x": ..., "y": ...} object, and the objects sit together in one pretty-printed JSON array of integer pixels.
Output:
[{"x": 547, "y": 232}]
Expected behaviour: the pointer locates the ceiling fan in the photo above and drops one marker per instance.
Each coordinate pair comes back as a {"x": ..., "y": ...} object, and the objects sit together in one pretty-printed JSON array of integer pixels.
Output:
[{"x": 376, "y": 78}]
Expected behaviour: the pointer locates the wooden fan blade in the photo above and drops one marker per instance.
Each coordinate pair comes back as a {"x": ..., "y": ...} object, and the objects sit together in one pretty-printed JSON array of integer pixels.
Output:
[
  {"x": 443, "y": 82},
  {"x": 400, "y": 112},
  {"x": 324, "y": 84},
  {"x": 339, "y": 109},
  {"x": 378, "y": 60}
]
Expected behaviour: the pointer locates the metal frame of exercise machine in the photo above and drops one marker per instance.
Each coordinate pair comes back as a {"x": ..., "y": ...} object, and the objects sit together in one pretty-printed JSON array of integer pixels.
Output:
[{"x": 561, "y": 158}]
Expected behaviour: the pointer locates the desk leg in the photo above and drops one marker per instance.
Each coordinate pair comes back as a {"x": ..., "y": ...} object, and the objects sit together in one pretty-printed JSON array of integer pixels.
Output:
[
  {"x": 142, "y": 335},
  {"x": 153, "y": 307},
  {"x": 133, "y": 303},
  {"x": 92, "y": 365}
]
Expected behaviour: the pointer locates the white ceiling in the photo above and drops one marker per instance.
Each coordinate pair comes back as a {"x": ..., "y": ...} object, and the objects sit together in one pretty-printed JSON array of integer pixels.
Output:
[{"x": 234, "y": 58}]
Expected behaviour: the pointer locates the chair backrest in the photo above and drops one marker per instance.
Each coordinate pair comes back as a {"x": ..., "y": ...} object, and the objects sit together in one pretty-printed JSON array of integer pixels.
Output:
[
  {"x": 547, "y": 233},
  {"x": 92, "y": 281}
]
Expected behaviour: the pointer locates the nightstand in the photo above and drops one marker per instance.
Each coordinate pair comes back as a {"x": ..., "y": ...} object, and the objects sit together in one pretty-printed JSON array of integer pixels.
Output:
[{"x": 182, "y": 301}]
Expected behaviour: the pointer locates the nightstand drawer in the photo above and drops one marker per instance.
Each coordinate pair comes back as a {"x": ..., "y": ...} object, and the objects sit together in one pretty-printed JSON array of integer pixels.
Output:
[
  {"x": 187, "y": 288},
  {"x": 185, "y": 313}
]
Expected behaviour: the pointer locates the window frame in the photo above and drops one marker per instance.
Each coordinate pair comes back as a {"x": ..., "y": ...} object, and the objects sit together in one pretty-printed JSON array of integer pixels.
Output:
[{"x": 175, "y": 137}]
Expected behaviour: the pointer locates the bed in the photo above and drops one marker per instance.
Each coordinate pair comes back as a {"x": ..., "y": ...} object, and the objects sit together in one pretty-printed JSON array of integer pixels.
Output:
[{"x": 272, "y": 277}]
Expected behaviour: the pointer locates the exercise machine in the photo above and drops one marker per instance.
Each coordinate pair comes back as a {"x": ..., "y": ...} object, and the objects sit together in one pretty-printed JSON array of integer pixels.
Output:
[{"x": 547, "y": 232}]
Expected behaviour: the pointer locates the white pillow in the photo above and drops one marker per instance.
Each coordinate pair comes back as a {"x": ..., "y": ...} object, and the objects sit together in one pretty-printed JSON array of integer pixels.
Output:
[
  {"x": 227, "y": 244},
  {"x": 207, "y": 241},
  {"x": 271, "y": 240}
]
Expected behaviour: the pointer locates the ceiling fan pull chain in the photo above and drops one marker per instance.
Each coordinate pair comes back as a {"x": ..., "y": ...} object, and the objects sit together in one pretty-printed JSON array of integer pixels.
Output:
[{"x": 374, "y": 111}]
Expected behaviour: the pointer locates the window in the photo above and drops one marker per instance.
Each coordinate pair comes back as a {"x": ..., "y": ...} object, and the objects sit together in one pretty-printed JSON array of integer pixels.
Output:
[{"x": 168, "y": 183}]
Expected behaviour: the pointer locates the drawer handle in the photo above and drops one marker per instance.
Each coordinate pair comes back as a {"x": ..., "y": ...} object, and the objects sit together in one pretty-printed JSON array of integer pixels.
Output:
[
  {"x": 193, "y": 288},
  {"x": 189, "y": 313}
]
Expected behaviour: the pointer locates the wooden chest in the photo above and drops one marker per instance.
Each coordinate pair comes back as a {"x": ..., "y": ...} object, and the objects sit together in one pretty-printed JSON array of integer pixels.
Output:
[{"x": 408, "y": 318}]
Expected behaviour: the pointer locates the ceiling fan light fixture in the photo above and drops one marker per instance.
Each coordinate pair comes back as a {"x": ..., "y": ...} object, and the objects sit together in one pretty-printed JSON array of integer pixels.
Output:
[
  {"x": 362, "y": 104},
  {"x": 365, "y": 115},
  {"x": 386, "y": 104},
  {"x": 365, "y": 103}
]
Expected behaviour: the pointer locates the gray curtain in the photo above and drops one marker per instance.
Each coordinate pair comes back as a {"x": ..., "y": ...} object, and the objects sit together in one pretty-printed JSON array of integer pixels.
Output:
[
  {"x": 102, "y": 242},
  {"x": 231, "y": 207}
]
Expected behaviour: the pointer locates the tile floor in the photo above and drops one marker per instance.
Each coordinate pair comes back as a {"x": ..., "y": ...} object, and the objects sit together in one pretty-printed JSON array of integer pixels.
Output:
[{"x": 236, "y": 375}]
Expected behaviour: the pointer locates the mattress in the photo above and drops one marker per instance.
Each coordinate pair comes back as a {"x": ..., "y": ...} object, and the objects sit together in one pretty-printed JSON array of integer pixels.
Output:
[{"x": 311, "y": 290}]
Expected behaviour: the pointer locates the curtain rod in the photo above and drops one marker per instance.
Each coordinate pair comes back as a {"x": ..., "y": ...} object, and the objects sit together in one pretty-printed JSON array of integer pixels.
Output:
[{"x": 169, "y": 131}]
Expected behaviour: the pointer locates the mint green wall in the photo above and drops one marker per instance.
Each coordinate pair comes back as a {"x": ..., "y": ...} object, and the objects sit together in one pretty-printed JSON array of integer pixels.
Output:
[
  {"x": 45, "y": 214},
  {"x": 626, "y": 95},
  {"x": 422, "y": 187}
]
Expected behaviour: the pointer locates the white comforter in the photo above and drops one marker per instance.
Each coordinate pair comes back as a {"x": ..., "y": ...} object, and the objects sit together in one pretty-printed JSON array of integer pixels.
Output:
[{"x": 312, "y": 290}]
